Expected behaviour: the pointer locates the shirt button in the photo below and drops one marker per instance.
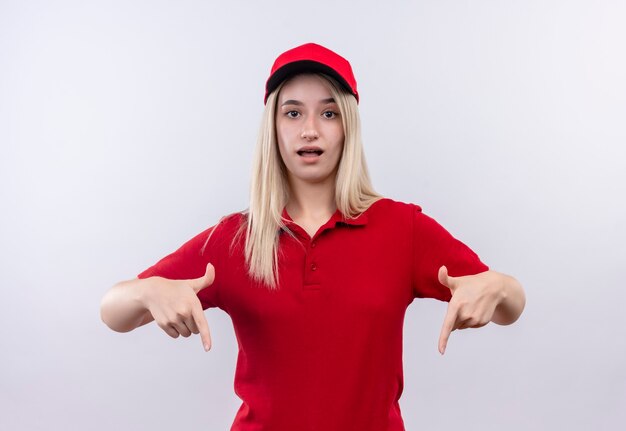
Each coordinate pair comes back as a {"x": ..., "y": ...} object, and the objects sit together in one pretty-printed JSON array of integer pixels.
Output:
[
  {"x": 313, "y": 267},
  {"x": 313, "y": 244}
]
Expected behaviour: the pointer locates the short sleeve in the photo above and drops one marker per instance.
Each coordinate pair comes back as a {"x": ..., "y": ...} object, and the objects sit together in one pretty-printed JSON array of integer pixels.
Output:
[
  {"x": 190, "y": 261},
  {"x": 434, "y": 246}
]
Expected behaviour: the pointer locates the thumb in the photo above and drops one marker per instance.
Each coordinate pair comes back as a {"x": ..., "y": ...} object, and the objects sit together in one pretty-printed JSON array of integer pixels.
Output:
[
  {"x": 447, "y": 280},
  {"x": 197, "y": 284},
  {"x": 444, "y": 278}
]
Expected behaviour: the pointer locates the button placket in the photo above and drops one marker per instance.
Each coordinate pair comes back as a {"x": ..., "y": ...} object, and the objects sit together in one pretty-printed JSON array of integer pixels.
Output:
[{"x": 311, "y": 268}]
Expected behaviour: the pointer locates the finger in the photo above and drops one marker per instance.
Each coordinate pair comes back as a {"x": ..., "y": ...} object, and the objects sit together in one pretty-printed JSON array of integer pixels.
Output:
[
  {"x": 170, "y": 330},
  {"x": 472, "y": 323},
  {"x": 447, "y": 328},
  {"x": 444, "y": 278},
  {"x": 464, "y": 324},
  {"x": 189, "y": 329},
  {"x": 203, "y": 327},
  {"x": 197, "y": 284},
  {"x": 467, "y": 318},
  {"x": 191, "y": 324},
  {"x": 181, "y": 328}
]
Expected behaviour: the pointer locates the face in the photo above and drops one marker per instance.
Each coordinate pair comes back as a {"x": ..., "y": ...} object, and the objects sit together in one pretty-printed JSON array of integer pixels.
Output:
[{"x": 309, "y": 129}]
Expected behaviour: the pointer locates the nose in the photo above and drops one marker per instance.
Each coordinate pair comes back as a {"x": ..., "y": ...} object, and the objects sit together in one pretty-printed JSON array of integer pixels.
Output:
[{"x": 309, "y": 130}]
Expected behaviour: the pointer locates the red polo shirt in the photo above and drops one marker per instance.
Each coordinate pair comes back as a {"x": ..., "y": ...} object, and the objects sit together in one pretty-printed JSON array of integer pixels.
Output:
[{"x": 324, "y": 351}]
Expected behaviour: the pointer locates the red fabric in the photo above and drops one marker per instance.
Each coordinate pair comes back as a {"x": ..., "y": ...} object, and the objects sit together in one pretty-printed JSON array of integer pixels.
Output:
[
  {"x": 310, "y": 57},
  {"x": 324, "y": 352}
]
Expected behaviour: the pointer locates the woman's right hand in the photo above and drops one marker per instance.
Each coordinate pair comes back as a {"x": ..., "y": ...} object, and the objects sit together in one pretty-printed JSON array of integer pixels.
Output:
[{"x": 175, "y": 306}]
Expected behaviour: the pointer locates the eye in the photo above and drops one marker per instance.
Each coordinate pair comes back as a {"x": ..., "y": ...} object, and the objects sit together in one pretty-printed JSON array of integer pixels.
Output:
[
  {"x": 292, "y": 114},
  {"x": 329, "y": 114}
]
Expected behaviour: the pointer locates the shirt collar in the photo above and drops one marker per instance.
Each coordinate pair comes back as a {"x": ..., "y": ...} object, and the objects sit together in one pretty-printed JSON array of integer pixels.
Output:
[{"x": 337, "y": 217}]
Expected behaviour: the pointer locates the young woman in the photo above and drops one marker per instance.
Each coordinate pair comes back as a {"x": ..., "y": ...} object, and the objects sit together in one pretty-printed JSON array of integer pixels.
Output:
[{"x": 317, "y": 273}]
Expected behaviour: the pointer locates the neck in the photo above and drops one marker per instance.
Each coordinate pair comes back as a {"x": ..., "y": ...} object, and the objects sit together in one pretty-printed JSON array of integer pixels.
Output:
[{"x": 312, "y": 200}]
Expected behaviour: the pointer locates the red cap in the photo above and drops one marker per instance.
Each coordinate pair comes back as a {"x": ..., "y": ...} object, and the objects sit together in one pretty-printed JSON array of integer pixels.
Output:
[{"x": 311, "y": 57}]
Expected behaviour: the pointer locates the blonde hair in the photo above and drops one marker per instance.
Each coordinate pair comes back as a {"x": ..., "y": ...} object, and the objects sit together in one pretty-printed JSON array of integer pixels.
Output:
[{"x": 269, "y": 188}]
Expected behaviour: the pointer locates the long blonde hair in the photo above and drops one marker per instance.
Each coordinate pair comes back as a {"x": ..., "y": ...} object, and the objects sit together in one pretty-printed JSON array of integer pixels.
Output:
[{"x": 269, "y": 188}]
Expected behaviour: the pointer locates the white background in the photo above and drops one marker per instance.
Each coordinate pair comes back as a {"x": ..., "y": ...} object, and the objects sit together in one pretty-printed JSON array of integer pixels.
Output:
[{"x": 127, "y": 127}]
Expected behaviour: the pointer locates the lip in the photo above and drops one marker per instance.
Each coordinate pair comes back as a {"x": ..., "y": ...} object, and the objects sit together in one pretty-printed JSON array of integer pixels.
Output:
[{"x": 310, "y": 148}]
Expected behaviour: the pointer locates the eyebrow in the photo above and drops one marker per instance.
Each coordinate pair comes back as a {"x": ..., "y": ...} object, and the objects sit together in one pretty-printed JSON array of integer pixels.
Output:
[{"x": 298, "y": 103}]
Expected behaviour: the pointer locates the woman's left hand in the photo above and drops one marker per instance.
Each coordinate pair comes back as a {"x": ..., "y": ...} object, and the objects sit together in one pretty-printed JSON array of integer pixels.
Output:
[{"x": 473, "y": 303}]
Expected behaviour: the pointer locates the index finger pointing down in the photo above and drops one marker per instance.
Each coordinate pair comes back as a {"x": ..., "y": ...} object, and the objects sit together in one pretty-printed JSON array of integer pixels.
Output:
[
  {"x": 446, "y": 329},
  {"x": 203, "y": 326}
]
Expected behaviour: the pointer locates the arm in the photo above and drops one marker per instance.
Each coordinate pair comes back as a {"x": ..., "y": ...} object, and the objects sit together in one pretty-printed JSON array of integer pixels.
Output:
[
  {"x": 479, "y": 299},
  {"x": 173, "y": 304},
  {"x": 123, "y": 309}
]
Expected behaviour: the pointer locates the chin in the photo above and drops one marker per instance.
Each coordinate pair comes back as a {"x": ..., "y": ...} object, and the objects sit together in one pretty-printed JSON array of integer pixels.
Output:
[{"x": 312, "y": 178}]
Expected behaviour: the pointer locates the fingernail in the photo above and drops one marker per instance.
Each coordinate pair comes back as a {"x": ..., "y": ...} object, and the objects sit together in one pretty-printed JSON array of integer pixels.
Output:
[{"x": 206, "y": 348}]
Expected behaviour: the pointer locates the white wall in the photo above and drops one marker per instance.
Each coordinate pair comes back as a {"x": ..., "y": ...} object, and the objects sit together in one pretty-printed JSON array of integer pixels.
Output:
[{"x": 126, "y": 127}]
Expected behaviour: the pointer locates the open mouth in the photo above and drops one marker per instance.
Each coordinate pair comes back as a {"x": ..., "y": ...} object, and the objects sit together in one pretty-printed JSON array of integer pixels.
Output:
[{"x": 310, "y": 153}]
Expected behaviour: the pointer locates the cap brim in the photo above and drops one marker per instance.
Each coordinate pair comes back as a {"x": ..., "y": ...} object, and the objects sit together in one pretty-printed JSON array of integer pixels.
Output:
[{"x": 302, "y": 66}]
